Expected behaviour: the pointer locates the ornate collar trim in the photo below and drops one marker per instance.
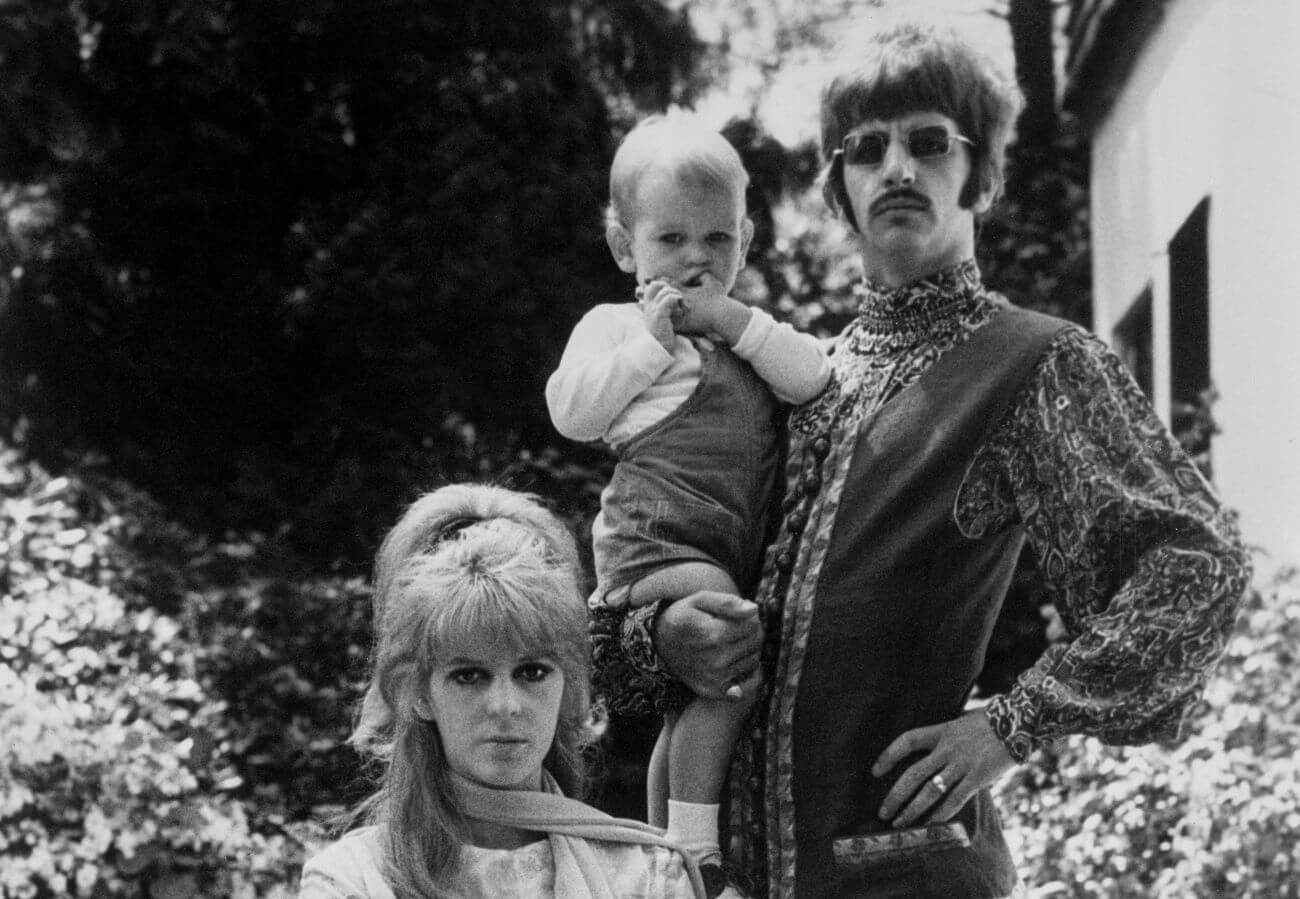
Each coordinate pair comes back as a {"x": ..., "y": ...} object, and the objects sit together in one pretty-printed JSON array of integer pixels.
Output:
[{"x": 922, "y": 305}]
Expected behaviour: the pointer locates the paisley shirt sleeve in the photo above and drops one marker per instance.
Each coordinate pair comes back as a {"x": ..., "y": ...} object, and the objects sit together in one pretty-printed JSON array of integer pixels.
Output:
[
  {"x": 625, "y": 667},
  {"x": 1141, "y": 560}
]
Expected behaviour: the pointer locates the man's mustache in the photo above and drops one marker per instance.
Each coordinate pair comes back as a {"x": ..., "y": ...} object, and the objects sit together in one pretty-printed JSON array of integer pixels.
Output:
[{"x": 902, "y": 195}]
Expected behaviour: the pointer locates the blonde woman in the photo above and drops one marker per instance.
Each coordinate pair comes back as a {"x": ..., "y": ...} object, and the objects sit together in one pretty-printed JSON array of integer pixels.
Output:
[{"x": 477, "y": 712}]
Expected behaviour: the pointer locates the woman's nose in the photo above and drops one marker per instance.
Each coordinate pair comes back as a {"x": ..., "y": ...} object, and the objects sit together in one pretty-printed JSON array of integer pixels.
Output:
[{"x": 503, "y": 699}]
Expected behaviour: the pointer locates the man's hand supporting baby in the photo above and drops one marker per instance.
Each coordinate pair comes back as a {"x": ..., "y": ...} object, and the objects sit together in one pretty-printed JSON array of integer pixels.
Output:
[{"x": 711, "y": 642}]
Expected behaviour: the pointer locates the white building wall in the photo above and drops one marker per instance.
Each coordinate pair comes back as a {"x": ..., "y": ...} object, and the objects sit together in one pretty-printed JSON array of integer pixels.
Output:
[{"x": 1213, "y": 109}]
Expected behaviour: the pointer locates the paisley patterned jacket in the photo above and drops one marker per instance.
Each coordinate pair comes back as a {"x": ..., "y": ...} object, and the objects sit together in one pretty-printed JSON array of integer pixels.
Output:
[{"x": 1142, "y": 562}]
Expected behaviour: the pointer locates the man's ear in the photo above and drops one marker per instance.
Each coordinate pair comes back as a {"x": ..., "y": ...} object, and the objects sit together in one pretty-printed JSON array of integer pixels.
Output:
[
  {"x": 984, "y": 199},
  {"x": 746, "y": 235},
  {"x": 620, "y": 244}
]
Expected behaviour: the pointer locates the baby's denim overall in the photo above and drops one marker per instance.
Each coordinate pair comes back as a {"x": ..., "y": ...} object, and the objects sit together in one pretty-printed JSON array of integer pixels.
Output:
[{"x": 696, "y": 485}]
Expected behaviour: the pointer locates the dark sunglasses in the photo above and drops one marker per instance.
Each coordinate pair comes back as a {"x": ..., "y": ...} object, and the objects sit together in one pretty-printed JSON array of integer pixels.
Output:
[{"x": 926, "y": 142}]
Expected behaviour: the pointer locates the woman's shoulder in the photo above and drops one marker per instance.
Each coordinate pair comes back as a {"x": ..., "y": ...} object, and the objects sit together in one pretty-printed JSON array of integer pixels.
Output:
[{"x": 348, "y": 868}]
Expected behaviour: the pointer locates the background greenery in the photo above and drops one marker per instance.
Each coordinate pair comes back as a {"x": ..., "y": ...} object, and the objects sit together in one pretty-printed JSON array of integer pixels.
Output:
[{"x": 271, "y": 269}]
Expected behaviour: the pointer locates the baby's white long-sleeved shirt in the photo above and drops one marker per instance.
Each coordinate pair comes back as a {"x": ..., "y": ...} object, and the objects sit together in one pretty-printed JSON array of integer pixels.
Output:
[{"x": 615, "y": 380}]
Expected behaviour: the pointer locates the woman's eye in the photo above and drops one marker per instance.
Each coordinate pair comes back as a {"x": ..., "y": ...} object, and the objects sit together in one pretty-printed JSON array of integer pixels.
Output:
[
  {"x": 533, "y": 672},
  {"x": 466, "y": 676}
]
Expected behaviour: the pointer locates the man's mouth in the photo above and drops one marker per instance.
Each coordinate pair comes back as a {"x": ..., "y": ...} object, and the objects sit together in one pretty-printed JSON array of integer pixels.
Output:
[{"x": 900, "y": 202}]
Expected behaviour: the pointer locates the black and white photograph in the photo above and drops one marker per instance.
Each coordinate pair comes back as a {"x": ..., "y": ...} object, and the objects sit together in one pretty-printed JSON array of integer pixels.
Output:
[{"x": 649, "y": 449}]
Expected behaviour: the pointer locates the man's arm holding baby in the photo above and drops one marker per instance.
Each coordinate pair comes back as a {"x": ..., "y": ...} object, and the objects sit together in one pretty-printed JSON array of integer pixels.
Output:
[
  {"x": 711, "y": 643},
  {"x": 662, "y": 654}
]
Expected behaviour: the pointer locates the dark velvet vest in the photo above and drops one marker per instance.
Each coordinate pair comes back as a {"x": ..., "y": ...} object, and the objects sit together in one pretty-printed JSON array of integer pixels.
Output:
[{"x": 904, "y": 607}]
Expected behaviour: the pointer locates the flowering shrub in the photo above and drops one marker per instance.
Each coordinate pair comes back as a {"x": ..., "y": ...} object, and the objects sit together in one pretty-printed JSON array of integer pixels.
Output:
[
  {"x": 1216, "y": 815},
  {"x": 117, "y": 764}
]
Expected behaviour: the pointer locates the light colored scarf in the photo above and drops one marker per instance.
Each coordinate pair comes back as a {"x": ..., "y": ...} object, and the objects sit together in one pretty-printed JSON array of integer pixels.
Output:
[{"x": 568, "y": 824}]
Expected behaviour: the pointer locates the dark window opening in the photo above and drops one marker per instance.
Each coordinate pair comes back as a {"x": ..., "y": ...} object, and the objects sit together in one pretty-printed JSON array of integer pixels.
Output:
[
  {"x": 1133, "y": 340},
  {"x": 1191, "y": 393}
]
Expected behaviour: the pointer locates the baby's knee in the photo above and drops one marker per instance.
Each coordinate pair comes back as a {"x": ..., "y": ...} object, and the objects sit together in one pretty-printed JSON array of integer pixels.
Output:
[{"x": 729, "y": 712}]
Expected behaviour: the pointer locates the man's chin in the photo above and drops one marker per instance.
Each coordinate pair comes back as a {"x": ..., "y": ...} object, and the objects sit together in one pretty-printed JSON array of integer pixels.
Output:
[{"x": 896, "y": 239}]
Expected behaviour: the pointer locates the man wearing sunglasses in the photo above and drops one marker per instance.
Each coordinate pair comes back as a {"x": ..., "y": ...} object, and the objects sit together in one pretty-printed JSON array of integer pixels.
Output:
[
  {"x": 901, "y": 184},
  {"x": 955, "y": 429}
]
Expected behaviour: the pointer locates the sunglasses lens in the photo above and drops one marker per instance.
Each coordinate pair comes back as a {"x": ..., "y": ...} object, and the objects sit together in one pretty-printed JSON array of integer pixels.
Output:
[
  {"x": 932, "y": 140},
  {"x": 866, "y": 149}
]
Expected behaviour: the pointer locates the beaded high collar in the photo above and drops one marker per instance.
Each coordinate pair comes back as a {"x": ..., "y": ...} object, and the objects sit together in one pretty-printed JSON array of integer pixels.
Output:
[{"x": 922, "y": 306}]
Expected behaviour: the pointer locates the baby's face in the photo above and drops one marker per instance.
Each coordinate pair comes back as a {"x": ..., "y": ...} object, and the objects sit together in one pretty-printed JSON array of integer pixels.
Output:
[{"x": 682, "y": 230}]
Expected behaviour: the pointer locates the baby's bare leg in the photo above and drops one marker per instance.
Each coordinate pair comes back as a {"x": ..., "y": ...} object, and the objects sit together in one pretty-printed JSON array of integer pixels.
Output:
[
  {"x": 700, "y": 747},
  {"x": 656, "y": 775},
  {"x": 694, "y": 749}
]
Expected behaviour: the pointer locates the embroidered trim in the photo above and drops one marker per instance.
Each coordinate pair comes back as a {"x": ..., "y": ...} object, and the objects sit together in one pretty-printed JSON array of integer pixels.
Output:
[
  {"x": 871, "y": 849},
  {"x": 898, "y": 334}
]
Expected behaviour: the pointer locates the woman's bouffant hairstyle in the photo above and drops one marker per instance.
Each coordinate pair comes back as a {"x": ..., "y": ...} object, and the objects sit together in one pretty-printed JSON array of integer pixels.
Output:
[
  {"x": 910, "y": 68},
  {"x": 681, "y": 145},
  {"x": 466, "y": 565}
]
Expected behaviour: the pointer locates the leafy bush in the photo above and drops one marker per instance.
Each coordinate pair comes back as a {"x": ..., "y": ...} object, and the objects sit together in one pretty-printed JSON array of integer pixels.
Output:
[
  {"x": 118, "y": 768},
  {"x": 176, "y": 707},
  {"x": 1216, "y": 815},
  {"x": 109, "y": 769}
]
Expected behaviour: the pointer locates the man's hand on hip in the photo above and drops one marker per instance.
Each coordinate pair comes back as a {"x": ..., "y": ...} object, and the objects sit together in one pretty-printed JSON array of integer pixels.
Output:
[{"x": 962, "y": 757}]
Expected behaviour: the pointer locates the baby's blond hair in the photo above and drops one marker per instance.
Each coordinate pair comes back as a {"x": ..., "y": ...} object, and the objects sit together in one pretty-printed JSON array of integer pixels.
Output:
[{"x": 681, "y": 146}]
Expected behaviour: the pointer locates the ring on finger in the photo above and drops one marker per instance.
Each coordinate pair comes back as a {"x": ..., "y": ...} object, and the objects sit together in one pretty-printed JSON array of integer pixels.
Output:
[{"x": 939, "y": 783}]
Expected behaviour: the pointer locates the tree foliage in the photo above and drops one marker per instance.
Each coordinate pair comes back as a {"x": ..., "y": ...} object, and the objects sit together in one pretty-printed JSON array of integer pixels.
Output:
[{"x": 261, "y": 252}]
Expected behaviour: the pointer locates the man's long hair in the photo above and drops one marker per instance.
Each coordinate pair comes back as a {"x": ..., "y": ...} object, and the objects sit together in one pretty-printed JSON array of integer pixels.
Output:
[{"x": 915, "y": 67}]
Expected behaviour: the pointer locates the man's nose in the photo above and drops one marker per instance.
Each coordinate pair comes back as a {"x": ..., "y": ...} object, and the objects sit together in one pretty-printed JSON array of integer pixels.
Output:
[{"x": 898, "y": 168}]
